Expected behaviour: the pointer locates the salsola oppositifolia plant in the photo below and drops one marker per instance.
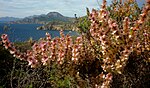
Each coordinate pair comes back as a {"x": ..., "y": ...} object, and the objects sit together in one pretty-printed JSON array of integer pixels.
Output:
[{"x": 110, "y": 42}]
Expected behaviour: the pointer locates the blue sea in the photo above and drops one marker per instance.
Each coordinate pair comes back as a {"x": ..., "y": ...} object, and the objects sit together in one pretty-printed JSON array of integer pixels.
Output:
[{"x": 23, "y": 32}]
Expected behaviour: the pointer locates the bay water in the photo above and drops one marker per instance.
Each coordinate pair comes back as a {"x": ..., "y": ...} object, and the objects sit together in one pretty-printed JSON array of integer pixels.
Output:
[{"x": 23, "y": 32}]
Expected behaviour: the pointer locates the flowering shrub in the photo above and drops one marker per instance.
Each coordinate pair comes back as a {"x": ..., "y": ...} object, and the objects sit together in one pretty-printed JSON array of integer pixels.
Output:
[
  {"x": 116, "y": 43},
  {"x": 112, "y": 39}
]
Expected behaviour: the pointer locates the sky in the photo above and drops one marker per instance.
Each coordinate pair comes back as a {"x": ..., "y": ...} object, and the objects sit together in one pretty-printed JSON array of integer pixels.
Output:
[{"x": 24, "y": 8}]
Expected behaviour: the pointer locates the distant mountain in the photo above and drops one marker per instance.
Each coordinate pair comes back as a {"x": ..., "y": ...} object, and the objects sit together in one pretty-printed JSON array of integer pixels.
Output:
[
  {"x": 45, "y": 18},
  {"x": 8, "y": 19}
]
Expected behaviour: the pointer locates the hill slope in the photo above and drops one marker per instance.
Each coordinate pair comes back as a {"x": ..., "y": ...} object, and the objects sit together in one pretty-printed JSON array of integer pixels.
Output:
[
  {"x": 8, "y": 19},
  {"x": 45, "y": 18}
]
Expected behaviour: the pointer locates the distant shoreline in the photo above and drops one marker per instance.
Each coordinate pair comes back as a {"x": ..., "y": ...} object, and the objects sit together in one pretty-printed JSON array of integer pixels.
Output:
[{"x": 58, "y": 27}]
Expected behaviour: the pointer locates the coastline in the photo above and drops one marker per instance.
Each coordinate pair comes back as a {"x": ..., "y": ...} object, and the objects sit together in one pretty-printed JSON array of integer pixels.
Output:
[{"x": 70, "y": 27}]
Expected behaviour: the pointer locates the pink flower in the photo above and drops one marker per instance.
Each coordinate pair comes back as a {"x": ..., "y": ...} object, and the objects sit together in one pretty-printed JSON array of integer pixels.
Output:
[
  {"x": 12, "y": 50},
  {"x": 44, "y": 60},
  {"x": 4, "y": 36},
  {"x": 48, "y": 36},
  {"x": 32, "y": 61}
]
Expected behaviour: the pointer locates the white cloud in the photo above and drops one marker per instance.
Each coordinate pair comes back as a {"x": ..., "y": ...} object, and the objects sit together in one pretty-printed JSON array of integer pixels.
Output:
[{"x": 23, "y": 8}]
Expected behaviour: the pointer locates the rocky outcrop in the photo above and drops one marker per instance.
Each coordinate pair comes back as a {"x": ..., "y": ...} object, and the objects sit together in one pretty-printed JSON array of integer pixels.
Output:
[{"x": 58, "y": 27}]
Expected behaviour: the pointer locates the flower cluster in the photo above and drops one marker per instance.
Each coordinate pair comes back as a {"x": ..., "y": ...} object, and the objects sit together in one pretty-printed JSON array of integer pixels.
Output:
[
  {"x": 116, "y": 43},
  {"x": 108, "y": 79},
  {"x": 46, "y": 50},
  {"x": 8, "y": 45}
]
